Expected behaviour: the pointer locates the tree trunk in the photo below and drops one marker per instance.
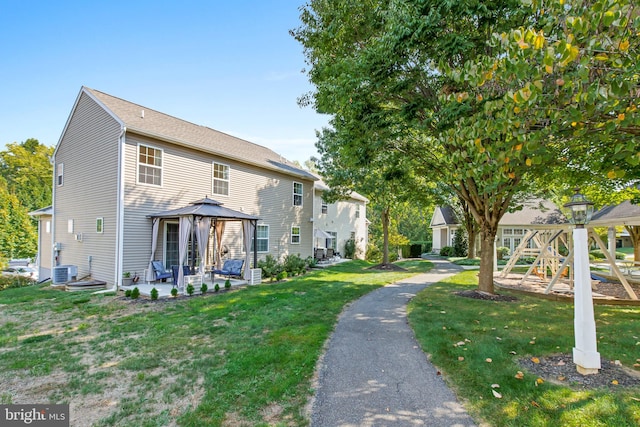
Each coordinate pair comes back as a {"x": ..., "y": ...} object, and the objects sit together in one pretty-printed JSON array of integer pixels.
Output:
[
  {"x": 385, "y": 235},
  {"x": 485, "y": 275},
  {"x": 634, "y": 233},
  {"x": 472, "y": 243}
]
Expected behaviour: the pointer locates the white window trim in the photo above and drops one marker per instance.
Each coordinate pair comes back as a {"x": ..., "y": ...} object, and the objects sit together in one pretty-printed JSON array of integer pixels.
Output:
[
  {"x": 148, "y": 165},
  {"x": 299, "y": 235},
  {"x": 100, "y": 221},
  {"x": 213, "y": 179},
  {"x": 324, "y": 207},
  {"x": 60, "y": 174},
  {"x": 267, "y": 239},
  {"x": 301, "y": 194},
  {"x": 70, "y": 226}
]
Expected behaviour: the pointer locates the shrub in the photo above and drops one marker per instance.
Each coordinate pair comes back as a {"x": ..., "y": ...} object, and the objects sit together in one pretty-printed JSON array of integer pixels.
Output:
[
  {"x": 350, "y": 248},
  {"x": 311, "y": 262},
  {"x": 502, "y": 251},
  {"x": 293, "y": 264},
  {"x": 190, "y": 289},
  {"x": 460, "y": 243},
  {"x": 270, "y": 267},
  {"x": 227, "y": 284},
  {"x": 135, "y": 293},
  {"x": 204, "y": 288},
  {"x": 216, "y": 288},
  {"x": 374, "y": 254},
  {"x": 281, "y": 276},
  {"x": 127, "y": 293},
  {"x": 9, "y": 282},
  {"x": 154, "y": 294},
  {"x": 447, "y": 251},
  {"x": 597, "y": 254},
  {"x": 174, "y": 292}
]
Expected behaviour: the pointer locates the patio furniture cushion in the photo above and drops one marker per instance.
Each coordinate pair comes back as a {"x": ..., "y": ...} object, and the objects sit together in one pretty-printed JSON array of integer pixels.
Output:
[
  {"x": 175, "y": 269},
  {"x": 231, "y": 267},
  {"x": 160, "y": 271}
]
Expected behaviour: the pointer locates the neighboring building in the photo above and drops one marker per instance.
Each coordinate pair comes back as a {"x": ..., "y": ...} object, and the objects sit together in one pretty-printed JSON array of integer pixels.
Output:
[
  {"x": 535, "y": 214},
  {"x": 43, "y": 261},
  {"x": 342, "y": 220},
  {"x": 118, "y": 163}
]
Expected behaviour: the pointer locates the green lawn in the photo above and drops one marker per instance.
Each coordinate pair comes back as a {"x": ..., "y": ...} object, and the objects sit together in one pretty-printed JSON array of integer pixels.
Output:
[
  {"x": 460, "y": 334},
  {"x": 245, "y": 357}
]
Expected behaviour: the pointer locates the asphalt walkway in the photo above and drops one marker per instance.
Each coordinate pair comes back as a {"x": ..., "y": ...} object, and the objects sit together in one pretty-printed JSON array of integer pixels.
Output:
[{"x": 374, "y": 372}]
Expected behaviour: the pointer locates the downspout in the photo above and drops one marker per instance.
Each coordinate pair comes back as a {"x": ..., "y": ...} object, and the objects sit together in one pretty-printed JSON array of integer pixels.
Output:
[
  {"x": 53, "y": 262},
  {"x": 120, "y": 210}
]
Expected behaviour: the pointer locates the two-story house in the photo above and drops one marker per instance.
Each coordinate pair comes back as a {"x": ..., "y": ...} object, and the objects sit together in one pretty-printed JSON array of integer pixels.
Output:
[{"x": 118, "y": 164}]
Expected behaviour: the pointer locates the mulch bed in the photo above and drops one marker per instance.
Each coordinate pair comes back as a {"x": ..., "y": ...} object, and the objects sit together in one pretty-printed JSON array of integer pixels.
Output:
[
  {"x": 486, "y": 296},
  {"x": 560, "y": 369},
  {"x": 387, "y": 267}
]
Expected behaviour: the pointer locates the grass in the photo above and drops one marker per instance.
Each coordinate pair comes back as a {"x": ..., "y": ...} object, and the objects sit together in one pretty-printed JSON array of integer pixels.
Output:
[
  {"x": 245, "y": 357},
  {"x": 529, "y": 327}
]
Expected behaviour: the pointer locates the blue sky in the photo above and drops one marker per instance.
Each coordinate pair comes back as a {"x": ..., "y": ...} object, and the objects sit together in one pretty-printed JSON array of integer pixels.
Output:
[{"x": 229, "y": 65}]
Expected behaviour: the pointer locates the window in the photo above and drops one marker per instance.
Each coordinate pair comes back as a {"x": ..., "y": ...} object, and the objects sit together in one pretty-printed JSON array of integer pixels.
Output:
[
  {"x": 324, "y": 207},
  {"x": 262, "y": 238},
  {"x": 297, "y": 194},
  {"x": 47, "y": 226},
  {"x": 220, "y": 179},
  {"x": 295, "y": 234},
  {"x": 149, "y": 165},
  {"x": 333, "y": 241},
  {"x": 358, "y": 211},
  {"x": 99, "y": 225},
  {"x": 70, "y": 226},
  {"x": 60, "y": 174}
]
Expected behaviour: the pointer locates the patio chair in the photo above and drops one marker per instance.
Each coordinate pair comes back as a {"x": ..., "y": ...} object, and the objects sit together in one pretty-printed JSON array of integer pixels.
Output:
[
  {"x": 330, "y": 253},
  {"x": 231, "y": 267},
  {"x": 174, "y": 271},
  {"x": 319, "y": 254},
  {"x": 161, "y": 272}
]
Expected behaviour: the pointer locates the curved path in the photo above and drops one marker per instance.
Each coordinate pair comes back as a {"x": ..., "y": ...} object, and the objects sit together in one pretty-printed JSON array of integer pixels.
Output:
[{"x": 374, "y": 372}]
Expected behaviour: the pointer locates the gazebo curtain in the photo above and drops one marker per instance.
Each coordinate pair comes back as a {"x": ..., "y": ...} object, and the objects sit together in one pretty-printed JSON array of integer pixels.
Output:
[
  {"x": 246, "y": 237},
  {"x": 202, "y": 230},
  {"x": 151, "y": 274},
  {"x": 185, "y": 232},
  {"x": 219, "y": 232}
]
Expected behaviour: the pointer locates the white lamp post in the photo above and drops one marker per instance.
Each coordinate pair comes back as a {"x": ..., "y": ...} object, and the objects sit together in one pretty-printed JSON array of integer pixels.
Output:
[{"x": 585, "y": 353}]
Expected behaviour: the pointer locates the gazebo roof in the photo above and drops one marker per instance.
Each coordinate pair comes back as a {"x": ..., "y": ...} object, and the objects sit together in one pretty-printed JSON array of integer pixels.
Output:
[{"x": 205, "y": 207}]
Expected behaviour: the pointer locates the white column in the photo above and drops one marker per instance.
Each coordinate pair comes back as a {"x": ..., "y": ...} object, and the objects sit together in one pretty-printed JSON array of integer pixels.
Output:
[{"x": 585, "y": 353}]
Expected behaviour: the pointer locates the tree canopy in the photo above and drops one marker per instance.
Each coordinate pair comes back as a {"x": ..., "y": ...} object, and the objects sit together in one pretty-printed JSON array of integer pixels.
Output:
[{"x": 488, "y": 97}]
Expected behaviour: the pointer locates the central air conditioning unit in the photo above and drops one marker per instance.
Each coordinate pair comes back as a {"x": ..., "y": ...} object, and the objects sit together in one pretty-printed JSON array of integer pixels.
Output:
[{"x": 64, "y": 274}]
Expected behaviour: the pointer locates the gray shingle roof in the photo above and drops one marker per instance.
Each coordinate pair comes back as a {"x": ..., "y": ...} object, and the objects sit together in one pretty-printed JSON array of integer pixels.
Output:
[
  {"x": 146, "y": 121},
  {"x": 623, "y": 213},
  {"x": 534, "y": 212}
]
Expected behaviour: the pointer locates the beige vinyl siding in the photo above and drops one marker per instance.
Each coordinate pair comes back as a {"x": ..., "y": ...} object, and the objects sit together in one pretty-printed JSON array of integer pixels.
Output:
[
  {"x": 186, "y": 177},
  {"x": 89, "y": 152}
]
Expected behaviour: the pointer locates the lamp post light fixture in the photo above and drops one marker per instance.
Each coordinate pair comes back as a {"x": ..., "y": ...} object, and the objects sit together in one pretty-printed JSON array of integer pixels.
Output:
[{"x": 585, "y": 352}]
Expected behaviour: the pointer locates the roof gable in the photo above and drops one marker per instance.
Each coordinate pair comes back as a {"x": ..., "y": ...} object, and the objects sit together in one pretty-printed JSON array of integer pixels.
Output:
[{"x": 148, "y": 122}]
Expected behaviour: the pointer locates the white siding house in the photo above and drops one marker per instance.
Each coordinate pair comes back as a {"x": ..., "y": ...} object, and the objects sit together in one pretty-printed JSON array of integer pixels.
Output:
[
  {"x": 534, "y": 214},
  {"x": 118, "y": 163},
  {"x": 342, "y": 220}
]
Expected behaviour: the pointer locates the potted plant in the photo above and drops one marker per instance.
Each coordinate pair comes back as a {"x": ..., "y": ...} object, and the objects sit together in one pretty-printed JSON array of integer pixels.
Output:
[{"x": 127, "y": 280}]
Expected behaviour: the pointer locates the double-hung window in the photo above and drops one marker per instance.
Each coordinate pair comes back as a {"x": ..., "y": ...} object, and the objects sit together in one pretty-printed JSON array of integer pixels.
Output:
[
  {"x": 220, "y": 179},
  {"x": 262, "y": 238},
  {"x": 324, "y": 208},
  {"x": 149, "y": 165},
  {"x": 295, "y": 235},
  {"x": 297, "y": 194}
]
